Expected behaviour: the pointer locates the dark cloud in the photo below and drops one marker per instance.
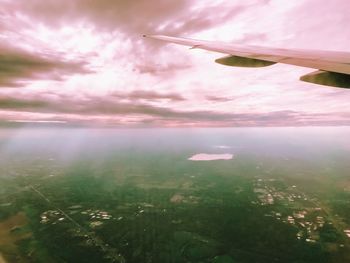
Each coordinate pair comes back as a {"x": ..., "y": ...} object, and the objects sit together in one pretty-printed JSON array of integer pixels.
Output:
[
  {"x": 148, "y": 95},
  {"x": 219, "y": 99},
  {"x": 98, "y": 106},
  {"x": 17, "y": 104},
  {"x": 159, "y": 69},
  {"x": 18, "y": 66}
]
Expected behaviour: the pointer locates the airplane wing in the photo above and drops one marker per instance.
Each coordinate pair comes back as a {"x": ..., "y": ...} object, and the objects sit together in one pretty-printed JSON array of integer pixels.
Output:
[{"x": 333, "y": 67}]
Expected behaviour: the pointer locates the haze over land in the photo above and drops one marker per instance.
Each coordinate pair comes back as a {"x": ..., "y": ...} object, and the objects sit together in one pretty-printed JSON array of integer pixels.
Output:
[{"x": 107, "y": 195}]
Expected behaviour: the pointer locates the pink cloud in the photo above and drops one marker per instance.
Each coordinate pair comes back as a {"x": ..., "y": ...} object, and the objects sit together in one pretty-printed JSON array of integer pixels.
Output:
[{"x": 85, "y": 62}]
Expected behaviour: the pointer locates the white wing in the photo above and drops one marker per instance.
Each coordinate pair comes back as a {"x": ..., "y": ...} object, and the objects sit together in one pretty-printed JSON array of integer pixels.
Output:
[{"x": 333, "y": 68}]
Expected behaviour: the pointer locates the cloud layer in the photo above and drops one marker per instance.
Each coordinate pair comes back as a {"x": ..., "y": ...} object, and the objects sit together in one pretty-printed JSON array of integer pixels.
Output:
[
  {"x": 136, "y": 110},
  {"x": 85, "y": 62}
]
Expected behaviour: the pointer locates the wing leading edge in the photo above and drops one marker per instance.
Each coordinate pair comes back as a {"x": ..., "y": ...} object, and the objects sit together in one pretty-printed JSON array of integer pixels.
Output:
[{"x": 333, "y": 67}]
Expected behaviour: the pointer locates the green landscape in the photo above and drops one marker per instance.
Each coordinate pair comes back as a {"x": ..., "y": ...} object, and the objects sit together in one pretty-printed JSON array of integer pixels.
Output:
[{"x": 134, "y": 196}]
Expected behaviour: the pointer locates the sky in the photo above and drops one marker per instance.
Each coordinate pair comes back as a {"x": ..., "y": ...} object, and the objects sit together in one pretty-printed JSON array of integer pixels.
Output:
[{"x": 85, "y": 63}]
